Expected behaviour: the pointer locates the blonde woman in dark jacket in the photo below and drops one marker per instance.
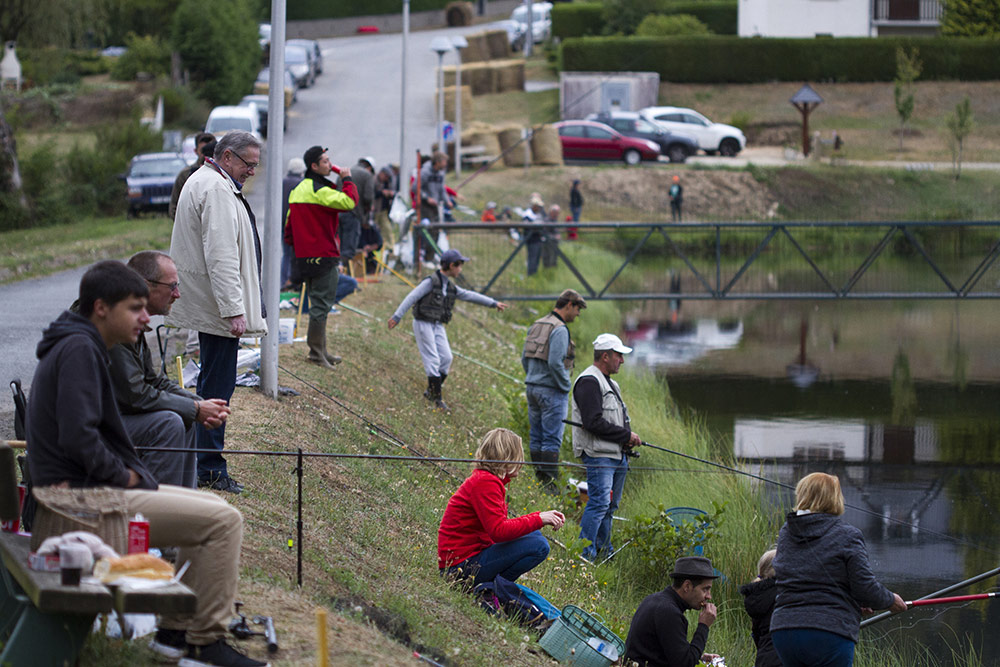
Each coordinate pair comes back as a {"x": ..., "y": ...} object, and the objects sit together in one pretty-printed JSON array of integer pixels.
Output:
[{"x": 824, "y": 580}]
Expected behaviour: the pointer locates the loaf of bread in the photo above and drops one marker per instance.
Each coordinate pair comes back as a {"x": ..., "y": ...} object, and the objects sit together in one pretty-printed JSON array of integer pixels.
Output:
[{"x": 145, "y": 566}]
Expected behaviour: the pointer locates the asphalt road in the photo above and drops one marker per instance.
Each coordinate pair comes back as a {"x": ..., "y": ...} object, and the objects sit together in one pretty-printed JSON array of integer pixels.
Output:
[{"x": 354, "y": 108}]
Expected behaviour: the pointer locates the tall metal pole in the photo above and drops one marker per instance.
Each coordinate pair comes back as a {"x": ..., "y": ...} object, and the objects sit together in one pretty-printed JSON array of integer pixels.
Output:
[
  {"x": 458, "y": 114},
  {"x": 298, "y": 524},
  {"x": 440, "y": 109},
  {"x": 271, "y": 251},
  {"x": 402, "y": 97}
]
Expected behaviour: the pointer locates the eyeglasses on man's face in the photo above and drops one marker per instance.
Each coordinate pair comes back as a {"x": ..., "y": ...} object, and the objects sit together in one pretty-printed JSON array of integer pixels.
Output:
[
  {"x": 250, "y": 165},
  {"x": 172, "y": 286}
]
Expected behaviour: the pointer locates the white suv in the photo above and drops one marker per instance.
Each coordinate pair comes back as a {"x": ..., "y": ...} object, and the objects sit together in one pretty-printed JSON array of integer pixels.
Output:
[
  {"x": 541, "y": 23},
  {"x": 711, "y": 137}
]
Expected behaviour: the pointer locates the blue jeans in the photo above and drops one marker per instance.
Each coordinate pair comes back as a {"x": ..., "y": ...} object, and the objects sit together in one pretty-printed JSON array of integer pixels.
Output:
[
  {"x": 508, "y": 559},
  {"x": 605, "y": 482},
  {"x": 217, "y": 379},
  {"x": 287, "y": 255},
  {"x": 546, "y": 411},
  {"x": 534, "y": 249},
  {"x": 805, "y": 647}
]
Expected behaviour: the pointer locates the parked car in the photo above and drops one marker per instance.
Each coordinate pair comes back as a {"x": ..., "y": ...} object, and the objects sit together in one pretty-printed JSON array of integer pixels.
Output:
[
  {"x": 299, "y": 64},
  {"x": 264, "y": 34},
  {"x": 262, "y": 85},
  {"x": 541, "y": 23},
  {"x": 711, "y": 137},
  {"x": 677, "y": 147},
  {"x": 149, "y": 180},
  {"x": 259, "y": 102},
  {"x": 590, "y": 140},
  {"x": 229, "y": 118},
  {"x": 312, "y": 48}
]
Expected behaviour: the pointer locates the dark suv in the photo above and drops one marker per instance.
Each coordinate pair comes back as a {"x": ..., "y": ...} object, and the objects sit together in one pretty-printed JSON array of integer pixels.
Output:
[
  {"x": 676, "y": 147},
  {"x": 150, "y": 179}
]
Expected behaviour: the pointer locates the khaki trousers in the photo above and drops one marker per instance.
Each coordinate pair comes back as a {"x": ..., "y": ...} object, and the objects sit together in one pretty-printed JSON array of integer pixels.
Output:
[{"x": 209, "y": 534}]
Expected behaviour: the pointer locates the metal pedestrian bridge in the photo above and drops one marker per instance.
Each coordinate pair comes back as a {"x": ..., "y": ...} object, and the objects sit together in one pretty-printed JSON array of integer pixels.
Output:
[{"x": 727, "y": 261}]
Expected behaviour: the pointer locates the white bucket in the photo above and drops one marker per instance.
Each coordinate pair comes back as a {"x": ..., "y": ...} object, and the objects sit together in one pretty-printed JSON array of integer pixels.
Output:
[{"x": 286, "y": 330}]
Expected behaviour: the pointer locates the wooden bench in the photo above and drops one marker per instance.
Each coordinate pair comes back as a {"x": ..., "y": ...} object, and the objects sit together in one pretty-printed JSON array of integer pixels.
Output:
[{"x": 43, "y": 622}]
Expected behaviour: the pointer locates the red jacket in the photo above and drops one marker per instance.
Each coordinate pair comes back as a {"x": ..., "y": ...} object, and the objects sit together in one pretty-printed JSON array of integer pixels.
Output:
[
  {"x": 476, "y": 518},
  {"x": 314, "y": 214}
]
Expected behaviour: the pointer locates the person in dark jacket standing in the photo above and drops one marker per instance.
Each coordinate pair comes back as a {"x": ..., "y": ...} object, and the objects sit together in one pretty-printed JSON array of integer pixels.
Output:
[
  {"x": 314, "y": 207},
  {"x": 296, "y": 172},
  {"x": 758, "y": 598},
  {"x": 433, "y": 298},
  {"x": 824, "y": 580},
  {"x": 575, "y": 200},
  {"x": 676, "y": 199},
  {"x": 603, "y": 442},
  {"x": 78, "y": 441},
  {"x": 658, "y": 635}
]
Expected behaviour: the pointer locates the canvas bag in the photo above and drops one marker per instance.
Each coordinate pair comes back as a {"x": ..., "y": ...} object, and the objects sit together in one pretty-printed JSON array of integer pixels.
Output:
[{"x": 98, "y": 510}]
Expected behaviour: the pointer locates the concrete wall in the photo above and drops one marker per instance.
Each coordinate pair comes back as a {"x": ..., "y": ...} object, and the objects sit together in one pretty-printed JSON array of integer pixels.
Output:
[
  {"x": 804, "y": 18},
  {"x": 495, "y": 10},
  {"x": 581, "y": 93}
]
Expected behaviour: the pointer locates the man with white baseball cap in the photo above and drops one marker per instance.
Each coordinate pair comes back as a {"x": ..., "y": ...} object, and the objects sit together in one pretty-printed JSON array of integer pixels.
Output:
[{"x": 603, "y": 442}]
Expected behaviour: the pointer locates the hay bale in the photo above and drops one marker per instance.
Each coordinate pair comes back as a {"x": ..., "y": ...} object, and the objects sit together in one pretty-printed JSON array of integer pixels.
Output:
[
  {"x": 545, "y": 146},
  {"x": 498, "y": 44},
  {"x": 477, "y": 50},
  {"x": 482, "y": 135},
  {"x": 458, "y": 13},
  {"x": 449, "y": 102},
  {"x": 480, "y": 77},
  {"x": 519, "y": 156},
  {"x": 509, "y": 74}
]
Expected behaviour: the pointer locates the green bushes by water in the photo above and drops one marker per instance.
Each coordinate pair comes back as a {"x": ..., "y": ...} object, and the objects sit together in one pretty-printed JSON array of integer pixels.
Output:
[{"x": 579, "y": 19}]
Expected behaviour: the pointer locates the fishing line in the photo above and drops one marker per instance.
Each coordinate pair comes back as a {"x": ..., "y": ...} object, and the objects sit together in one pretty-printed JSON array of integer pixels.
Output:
[{"x": 863, "y": 510}]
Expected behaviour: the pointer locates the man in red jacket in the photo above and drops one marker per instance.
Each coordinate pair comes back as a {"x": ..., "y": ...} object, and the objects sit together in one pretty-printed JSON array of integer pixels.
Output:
[{"x": 314, "y": 207}]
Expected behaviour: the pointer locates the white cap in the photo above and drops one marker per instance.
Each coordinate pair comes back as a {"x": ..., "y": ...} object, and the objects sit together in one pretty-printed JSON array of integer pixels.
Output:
[{"x": 608, "y": 341}]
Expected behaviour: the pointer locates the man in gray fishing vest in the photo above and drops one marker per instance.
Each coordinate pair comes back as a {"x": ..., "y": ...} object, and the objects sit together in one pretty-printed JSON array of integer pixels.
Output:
[
  {"x": 603, "y": 442},
  {"x": 548, "y": 358}
]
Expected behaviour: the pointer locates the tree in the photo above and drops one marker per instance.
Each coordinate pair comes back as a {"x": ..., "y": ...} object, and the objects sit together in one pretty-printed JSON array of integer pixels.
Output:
[
  {"x": 908, "y": 68},
  {"x": 960, "y": 125},
  {"x": 217, "y": 42},
  {"x": 971, "y": 18},
  {"x": 671, "y": 25}
]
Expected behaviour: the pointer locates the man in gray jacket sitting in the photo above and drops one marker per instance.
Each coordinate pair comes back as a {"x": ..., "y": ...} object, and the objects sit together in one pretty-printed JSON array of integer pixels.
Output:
[{"x": 156, "y": 411}]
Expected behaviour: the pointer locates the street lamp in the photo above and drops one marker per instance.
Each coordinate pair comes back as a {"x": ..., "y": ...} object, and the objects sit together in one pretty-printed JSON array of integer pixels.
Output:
[
  {"x": 459, "y": 42},
  {"x": 806, "y": 100},
  {"x": 440, "y": 45}
]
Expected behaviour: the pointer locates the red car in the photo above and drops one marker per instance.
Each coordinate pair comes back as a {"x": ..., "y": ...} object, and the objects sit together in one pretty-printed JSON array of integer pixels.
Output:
[{"x": 590, "y": 140}]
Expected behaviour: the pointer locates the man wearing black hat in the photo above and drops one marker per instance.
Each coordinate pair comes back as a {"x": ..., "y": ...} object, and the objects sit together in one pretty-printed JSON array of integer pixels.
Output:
[
  {"x": 433, "y": 299},
  {"x": 547, "y": 358},
  {"x": 658, "y": 634},
  {"x": 314, "y": 206}
]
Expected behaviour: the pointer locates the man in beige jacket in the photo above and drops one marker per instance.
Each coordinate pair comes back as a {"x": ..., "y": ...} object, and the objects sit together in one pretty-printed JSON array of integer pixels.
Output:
[{"x": 217, "y": 251}]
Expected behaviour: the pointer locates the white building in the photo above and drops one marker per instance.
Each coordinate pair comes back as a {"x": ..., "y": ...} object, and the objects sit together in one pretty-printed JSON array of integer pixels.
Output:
[{"x": 838, "y": 18}]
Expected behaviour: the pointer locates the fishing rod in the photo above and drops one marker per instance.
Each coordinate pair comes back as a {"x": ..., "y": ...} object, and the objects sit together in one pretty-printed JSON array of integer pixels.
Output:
[
  {"x": 944, "y": 591},
  {"x": 863, "y": 510},
  {"x": 956, "y": 598}
]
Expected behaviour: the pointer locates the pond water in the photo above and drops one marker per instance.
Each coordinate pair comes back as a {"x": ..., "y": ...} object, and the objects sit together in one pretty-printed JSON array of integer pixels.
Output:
[{"x": 900, "y": 400}]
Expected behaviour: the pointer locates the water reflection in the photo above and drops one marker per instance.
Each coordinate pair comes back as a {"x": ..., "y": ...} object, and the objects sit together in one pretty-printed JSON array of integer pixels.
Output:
[
  {"x": 672, "y": 344},
  {"x": 902, "y": 406}
]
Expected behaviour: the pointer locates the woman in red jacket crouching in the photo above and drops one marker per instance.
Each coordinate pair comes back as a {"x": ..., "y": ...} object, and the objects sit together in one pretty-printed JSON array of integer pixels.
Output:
[{"x": 476, "y": 539}]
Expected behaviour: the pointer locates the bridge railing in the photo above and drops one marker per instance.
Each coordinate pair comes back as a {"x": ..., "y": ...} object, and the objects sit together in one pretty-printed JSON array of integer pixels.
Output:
[{"x": 732, "y": 260}]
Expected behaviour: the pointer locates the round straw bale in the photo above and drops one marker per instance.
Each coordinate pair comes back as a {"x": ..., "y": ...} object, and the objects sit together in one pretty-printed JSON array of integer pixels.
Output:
[
  {"x": 516, "y": 157},
  {"x": 449, "y": 75},
  {"x": 477, "y": 50},
  {"x": 545, "y": 146},
  {"x": 480, "y": 77},
  {"x": 510, "y": 74},
  {"x": 449, "y": 102},
  {"x": 498, "y": 43},
  {"x": 484, "y": 136},
  {"x": 458, "y": 13}
]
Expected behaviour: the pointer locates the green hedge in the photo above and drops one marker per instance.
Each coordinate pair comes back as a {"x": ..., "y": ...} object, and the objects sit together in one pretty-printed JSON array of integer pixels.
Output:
[
  {"x": 576, "y": 19},
  {"x": 718, "y": 59},
  {"x": 308, "y": 10},
  {"x": 579, "y": 19}
]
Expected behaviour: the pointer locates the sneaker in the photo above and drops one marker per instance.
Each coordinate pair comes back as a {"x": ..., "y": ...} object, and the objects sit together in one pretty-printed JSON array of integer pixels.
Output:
[
  {"x": 226, "y": 483},
  {"x": 218, "y": 654},
  {"x": 169, "y": 644}
]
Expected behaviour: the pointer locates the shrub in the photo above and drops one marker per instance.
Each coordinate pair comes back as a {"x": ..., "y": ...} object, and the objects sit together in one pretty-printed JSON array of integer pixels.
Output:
[
  {"x": 716, "y": 59},
  {"x": 660, "y": 25},
  {"x": 579, "y": 19},
  {"x": 182, "y": 108},
  {"x": 305, "y": 10},
  {"x": 218, "y": 47},
  {"x": 576, "y": 19},
  {"x": 145, "y": 53},
  {"x": 624, "y": 16}
]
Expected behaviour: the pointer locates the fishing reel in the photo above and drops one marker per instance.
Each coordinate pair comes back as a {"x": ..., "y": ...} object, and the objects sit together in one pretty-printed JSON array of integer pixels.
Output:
[{"x": 242, "y": 630}]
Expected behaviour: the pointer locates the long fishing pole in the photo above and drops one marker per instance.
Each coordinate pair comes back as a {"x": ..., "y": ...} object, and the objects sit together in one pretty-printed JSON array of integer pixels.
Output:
[
  {"x": 956, "y": 598},
  {"x": 863, "y": 510},
  {"x": 944, "y": 591}
]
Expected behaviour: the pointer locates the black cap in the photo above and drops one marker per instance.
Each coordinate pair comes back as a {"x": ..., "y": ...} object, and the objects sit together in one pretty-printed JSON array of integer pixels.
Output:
[
  {"x": 694, "y": 567},
  {"x": 312, "y": 155}
]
